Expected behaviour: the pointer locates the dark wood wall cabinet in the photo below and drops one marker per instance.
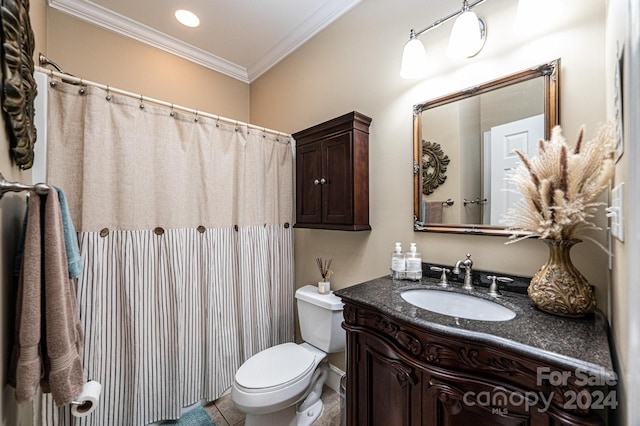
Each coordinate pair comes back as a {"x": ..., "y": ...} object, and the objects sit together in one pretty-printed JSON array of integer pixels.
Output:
[{"x": 332, "y": 174}]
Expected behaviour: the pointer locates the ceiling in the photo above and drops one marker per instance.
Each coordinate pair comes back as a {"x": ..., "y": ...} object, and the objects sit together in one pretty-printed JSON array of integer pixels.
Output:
[{"x": 238, "y": 38}]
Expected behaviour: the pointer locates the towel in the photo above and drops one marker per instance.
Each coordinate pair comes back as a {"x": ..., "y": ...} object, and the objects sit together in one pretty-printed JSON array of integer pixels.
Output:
[
  {"x": 49, "y": 336},
  {"x": 20, "y": 248},
  {"x": 433, "y": 211},
  {"x": 25, "y": 370},
  {"x": 74, "y": 259},
  {"x": 62, "y": 323}
]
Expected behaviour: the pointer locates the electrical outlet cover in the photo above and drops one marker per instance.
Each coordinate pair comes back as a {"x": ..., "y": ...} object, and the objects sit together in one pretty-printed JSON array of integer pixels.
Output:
[{"x": 617, "y": 204}]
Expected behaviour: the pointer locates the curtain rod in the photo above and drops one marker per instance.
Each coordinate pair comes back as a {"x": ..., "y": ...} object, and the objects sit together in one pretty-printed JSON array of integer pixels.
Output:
[{"x": 83, "y": 82}]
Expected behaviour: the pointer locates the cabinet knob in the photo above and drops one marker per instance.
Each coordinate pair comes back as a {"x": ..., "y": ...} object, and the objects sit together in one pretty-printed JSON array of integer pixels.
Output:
[
  {"x": 316, "y": 182},
  {"x": 323, "y": 181}
]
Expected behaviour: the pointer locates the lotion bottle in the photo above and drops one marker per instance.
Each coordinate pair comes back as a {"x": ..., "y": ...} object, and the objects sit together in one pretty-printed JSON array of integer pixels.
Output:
[
  {"x": 398, "y": 263},
  {"x": 414, "y": 264}
]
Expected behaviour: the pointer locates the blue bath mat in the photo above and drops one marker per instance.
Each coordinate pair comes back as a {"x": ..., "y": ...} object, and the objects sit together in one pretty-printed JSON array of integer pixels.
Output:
[{"x": 195, "y": 417}]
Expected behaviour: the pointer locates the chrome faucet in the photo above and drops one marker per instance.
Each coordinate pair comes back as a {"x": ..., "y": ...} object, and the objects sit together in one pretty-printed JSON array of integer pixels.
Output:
[{"x": 466, "y": 264}]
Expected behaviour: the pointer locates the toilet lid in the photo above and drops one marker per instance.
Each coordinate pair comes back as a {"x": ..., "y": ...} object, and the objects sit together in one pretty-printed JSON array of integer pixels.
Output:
[{"x": 275, "y": 366}]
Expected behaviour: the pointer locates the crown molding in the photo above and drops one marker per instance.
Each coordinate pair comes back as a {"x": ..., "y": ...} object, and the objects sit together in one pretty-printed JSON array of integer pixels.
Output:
[
  {"x": 105, "y": 18},
  {"x": 322, "y": 18}
]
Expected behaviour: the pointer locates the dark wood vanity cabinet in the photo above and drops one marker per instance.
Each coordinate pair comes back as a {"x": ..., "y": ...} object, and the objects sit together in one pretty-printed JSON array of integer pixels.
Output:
[
  {"x": 332, "y": 174},
  {"x": 398, "y": 374}
]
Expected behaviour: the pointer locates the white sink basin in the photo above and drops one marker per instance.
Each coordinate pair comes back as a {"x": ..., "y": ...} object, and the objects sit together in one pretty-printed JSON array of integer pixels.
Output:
[{"x": 458, "y": 305}]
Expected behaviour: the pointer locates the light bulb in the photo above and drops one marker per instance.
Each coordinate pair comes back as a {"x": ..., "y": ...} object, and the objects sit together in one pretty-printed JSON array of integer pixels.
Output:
[
  {"x": 414, "y": 59},
  {"x": 467, "y": 36}
]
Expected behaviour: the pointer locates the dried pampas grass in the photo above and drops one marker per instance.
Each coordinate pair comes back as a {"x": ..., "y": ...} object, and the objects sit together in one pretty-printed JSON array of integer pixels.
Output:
[{"x": 560, "y": 186}]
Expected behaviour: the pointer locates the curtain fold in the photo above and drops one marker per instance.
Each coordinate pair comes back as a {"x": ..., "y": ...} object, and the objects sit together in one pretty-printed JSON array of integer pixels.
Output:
[{"x": 186, "y": 245}]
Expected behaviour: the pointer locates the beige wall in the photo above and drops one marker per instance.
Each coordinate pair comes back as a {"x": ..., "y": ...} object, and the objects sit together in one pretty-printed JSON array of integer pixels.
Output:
[
  {"x": 106, "y": 57},
  {"x": 616, "y": 39},
  {"x": 354, "y": 65}
]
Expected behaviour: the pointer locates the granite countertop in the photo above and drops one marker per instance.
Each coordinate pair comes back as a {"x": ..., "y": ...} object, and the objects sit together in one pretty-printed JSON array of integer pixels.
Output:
[{"x": 568, "y": 342}]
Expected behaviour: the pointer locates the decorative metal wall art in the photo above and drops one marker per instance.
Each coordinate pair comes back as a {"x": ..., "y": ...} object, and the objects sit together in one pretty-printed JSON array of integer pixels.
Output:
[
  {"x": 18, "y": 85},
  {"x": 434, "y": 166}
]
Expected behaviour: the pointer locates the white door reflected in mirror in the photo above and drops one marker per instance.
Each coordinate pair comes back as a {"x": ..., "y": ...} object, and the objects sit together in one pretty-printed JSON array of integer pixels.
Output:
[{"x": 522, "y": 135}]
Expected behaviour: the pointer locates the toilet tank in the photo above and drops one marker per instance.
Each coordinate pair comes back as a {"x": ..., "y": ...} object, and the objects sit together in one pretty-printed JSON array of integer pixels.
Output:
[{"x": 320, "y": 318}]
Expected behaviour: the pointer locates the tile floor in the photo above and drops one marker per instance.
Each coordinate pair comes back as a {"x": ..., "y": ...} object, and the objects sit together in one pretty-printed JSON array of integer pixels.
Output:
[{"x": 224, "y": 413}]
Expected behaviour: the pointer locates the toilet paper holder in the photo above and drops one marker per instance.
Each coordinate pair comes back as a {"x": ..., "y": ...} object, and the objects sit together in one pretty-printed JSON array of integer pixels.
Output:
[
  {"x": 87, "y": 400},
  {"x": 78, "y": 402}
]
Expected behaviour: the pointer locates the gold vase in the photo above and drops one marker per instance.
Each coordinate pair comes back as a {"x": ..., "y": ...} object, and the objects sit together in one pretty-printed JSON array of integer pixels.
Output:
[{"x": 558, "y": 287}]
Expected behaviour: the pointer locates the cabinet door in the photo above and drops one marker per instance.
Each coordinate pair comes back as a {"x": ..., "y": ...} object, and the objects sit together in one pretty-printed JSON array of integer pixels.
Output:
[
  {"x": 388, "y": 389},
  {"x": 461, "y": 401},
  {"x": 308, "y": 187},
  {"x": 337, "y": 191}
]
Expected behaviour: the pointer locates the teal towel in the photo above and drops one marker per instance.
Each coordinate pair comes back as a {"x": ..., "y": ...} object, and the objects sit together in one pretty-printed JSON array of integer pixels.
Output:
[
  {"x": 195, "y": 417},
  {"x": 74, "y": 259}
]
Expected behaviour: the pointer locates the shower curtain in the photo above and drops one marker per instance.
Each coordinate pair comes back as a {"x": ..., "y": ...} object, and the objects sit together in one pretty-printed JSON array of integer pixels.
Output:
[{"x": 187, "y": 251}]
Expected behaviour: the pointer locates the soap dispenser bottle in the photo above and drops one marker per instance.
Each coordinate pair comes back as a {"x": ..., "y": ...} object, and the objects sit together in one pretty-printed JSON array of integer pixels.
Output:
[
  {"x": 414, "y": 264},
  {"x": 398, "y": 263}
]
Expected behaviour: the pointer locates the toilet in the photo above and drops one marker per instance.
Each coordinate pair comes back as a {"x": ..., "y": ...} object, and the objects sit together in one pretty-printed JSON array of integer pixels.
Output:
[{"x": 282, "y": 385}]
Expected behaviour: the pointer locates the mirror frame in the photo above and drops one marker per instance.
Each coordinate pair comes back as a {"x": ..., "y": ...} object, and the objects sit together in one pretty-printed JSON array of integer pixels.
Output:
[{"x": 550, "y": 72}]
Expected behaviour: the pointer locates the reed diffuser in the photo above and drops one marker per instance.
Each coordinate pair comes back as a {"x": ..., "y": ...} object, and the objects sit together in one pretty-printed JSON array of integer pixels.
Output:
[{"x": 324, "y": 265}]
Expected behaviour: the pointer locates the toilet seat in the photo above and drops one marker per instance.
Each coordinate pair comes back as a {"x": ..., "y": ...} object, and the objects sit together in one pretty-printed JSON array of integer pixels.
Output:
[{"x": 275, "y": 368}]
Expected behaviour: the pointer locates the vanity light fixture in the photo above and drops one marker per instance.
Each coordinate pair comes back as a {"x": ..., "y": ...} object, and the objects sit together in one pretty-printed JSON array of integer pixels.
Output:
[
  {"x": 187, "y": 18},
  {"x": 466, "y": 40}
]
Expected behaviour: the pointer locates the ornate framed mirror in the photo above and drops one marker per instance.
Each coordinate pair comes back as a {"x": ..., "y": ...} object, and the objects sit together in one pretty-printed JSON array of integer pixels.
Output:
[{"x": 478, "y": 128}]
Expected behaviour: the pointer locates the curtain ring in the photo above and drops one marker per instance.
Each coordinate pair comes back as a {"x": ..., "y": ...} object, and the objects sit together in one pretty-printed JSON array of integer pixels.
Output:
[
  {"x": 237, "y": 128},
  {"x": 81, "y": 91},
  {"x": 264, "y": 132},
  {"x": 172, "y": 113},
  {"x": 141, "y": 102},
  {"x": 278, "y": 137},
  {"x": 218, "y": 121},
  {"x": 52, "y": 82},
  {"x": 196, "y": 118},
  {"x": 108, "y": 97}
]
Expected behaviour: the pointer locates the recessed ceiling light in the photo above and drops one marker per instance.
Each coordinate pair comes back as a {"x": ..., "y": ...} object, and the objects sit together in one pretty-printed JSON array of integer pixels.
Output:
[{"x": 187, "y": 18}]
